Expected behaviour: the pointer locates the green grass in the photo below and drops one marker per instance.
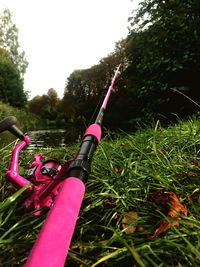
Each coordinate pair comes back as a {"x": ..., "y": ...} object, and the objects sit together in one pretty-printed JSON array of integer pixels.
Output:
[{"x": 151, "y": 159}]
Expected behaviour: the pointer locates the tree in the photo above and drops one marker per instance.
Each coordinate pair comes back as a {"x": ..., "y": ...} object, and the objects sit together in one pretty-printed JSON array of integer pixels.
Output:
[
  {"x": 69, "y": 106},
  {"x": 11, "y": 84},
  {"x": 53, "y": 97},
  {"x": 164, "y": 52},
  {"x": 9, "y": 41},
  {"x": 48, "y": 108},
  {"x": 37, "y": 105},
  {"x": 85, "y": 88}
]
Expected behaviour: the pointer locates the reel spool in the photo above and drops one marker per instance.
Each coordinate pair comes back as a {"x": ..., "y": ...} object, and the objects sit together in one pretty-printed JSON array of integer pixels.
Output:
[{"x": 43, "y": 172}]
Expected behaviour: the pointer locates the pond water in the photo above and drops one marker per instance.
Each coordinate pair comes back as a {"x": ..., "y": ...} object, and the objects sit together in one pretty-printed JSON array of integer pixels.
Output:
[
  {"x": 44, "y": 138},
  {"x": 52, "y": 138},
  {"x": 47, "y": 138}
]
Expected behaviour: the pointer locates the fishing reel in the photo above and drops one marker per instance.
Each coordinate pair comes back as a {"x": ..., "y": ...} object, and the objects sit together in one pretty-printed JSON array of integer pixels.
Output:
[{"x": 42, "y": 172}]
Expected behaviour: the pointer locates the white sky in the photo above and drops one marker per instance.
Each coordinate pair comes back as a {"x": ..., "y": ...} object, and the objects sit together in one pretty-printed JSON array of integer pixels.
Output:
[{"x": 59, "y": 36}]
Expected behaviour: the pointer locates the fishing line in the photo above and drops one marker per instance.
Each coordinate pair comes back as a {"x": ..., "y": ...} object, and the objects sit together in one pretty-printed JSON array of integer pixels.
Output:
[
  {"x": 103, "y": 94},
  {"x": 97, "y": 107}
]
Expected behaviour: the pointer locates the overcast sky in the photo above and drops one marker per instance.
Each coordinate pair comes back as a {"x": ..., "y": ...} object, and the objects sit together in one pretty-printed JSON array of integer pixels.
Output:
[{"x": 59, "y": 36}]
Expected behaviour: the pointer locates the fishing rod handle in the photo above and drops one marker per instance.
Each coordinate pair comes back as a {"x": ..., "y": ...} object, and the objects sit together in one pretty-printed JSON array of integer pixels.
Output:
[
  {"x": 52, "y": 244},
  {"x": 9, "y": 124},
  {"x": 94, "y": 130}
]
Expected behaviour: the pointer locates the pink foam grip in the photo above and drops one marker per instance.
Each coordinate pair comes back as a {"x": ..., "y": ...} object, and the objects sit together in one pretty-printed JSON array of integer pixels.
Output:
[
  {"x": 52, "y": 244},
  {"x": 95, "y": 130}
]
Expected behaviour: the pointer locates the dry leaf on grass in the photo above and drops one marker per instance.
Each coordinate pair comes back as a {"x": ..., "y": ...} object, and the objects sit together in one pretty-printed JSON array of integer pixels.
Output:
[
  {"x": 109, "y": 202},
  {"x": 129, "y": 222},
  {"x": 186, "y": 175},
  {"x": 117, "y": 169},
  {"x": 195, "y": 163},
  {"x": 171, "y": 202},
  {"x": 195, "y": 195}
]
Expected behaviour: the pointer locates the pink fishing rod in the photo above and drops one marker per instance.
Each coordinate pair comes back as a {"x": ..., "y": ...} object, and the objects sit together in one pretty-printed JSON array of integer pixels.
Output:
[{"x": 52, "y": 244}]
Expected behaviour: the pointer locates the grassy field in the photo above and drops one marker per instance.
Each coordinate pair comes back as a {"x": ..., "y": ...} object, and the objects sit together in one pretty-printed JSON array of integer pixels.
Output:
[{"x": 141, "y": 207}]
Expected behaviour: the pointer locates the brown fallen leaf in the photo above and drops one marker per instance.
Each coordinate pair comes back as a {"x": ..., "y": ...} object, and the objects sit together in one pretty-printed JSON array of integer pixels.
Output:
[
  {"x": 171, "y": 202},
  {"x": 186, "y": 174},
  {"x": 165, "y": 225},
  {"x": 129, "y": 220},
  {"x": 116, "y": 216},
  {"x": 109, "y": 202},
  {"x": 117, "y": 169},
  {"x": 12, "y": 188},
  {"x": 140, "y": 229},
  {"x": 195, "y": 163},
  {"x": 195, "y": 195}
]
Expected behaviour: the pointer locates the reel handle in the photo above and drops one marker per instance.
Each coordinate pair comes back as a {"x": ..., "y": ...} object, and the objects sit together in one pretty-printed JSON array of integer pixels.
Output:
[{"x": 9, "y": 124}]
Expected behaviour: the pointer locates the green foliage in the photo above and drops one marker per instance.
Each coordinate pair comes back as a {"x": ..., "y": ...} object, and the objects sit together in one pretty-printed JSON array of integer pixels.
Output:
[
  {"x": 164, "y": 52},
  {"x": 37, "y": 104},
  {"x": 48, "y": 107},
  {"x": 11, "y": 85},
  {"x": 85, "y": 88}
]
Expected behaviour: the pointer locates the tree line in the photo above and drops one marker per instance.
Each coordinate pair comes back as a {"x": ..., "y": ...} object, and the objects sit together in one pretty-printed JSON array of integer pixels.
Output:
[{"x": 160, "y": 53}]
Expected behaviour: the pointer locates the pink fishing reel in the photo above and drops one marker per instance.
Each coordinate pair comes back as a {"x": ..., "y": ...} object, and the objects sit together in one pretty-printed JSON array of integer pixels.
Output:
[
  {"x": 42, "y": 172},
  {"x": 42, "y": 176}
]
